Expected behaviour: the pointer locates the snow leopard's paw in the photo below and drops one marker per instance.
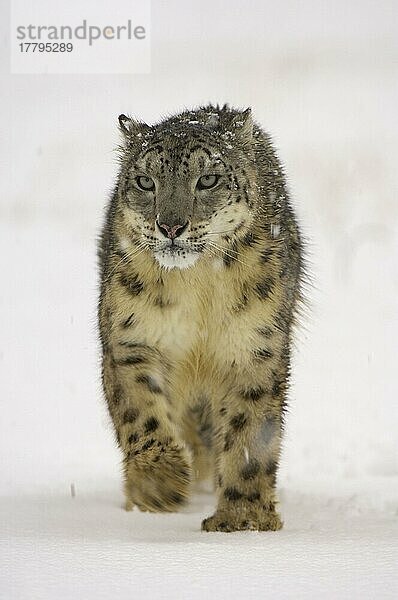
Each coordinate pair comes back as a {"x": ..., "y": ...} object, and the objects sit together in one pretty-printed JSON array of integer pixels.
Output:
[
  {"x": 241, "y": 520},
  {"x": 158, "y": 476}
]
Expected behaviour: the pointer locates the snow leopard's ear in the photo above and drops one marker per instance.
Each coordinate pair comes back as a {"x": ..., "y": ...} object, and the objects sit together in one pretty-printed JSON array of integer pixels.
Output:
[
  {"x": 131, "y": 128},
  {"x": 242, "y": 126}
]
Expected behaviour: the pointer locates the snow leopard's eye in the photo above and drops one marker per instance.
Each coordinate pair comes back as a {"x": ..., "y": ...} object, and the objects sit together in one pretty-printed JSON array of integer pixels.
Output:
[
  {"x": 206, "y": 182},
  {"x": 145, "y": 183}
]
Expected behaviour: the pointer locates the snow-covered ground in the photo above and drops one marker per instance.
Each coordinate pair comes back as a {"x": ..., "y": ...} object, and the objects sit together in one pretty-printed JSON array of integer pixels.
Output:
[
  {"x": 324, "y": 81},
  {"x": 334, "y": 545}
]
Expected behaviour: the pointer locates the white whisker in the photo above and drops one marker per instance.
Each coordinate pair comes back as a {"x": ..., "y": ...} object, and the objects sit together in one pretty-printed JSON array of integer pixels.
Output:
[
  {"x": 226, "y": 253},
  {"x": 127, "y": 257}
]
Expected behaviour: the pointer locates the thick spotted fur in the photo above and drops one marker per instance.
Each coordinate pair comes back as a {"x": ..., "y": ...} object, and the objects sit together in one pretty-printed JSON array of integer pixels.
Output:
[{"x": 196, "y": 330}]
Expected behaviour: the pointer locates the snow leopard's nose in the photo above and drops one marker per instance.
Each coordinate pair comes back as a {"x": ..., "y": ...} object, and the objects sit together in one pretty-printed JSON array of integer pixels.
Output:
[{"x": 172, "y": 231}]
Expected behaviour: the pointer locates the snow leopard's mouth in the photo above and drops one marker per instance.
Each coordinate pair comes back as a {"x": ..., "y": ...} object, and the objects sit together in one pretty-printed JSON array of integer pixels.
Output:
[
  {"x": 173, "y": 256},
  {"x": 174, "y": 249}
]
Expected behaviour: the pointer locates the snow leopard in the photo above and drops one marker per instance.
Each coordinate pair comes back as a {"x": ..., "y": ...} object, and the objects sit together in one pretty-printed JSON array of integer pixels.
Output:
[{"x": 201, "y": 271}]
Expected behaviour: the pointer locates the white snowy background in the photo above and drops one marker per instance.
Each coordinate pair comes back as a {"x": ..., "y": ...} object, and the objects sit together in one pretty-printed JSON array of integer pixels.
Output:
[{"x": 322, "y": 77}]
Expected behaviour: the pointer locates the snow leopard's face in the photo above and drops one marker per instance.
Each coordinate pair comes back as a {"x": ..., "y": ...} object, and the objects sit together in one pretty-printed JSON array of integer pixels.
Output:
[{"x": 189, "y": 185}]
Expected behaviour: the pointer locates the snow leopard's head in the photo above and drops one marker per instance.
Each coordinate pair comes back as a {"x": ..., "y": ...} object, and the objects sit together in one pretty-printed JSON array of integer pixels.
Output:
[{"x": 188, "y": 184}]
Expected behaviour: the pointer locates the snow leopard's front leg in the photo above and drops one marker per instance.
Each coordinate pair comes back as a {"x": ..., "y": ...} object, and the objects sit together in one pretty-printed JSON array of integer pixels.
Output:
[
  {"x": 157, "y": 465},
  {"x": 250, "y": 421}
]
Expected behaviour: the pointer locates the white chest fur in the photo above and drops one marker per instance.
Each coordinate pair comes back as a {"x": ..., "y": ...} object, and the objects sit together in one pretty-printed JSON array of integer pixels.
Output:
[
  {"x": 175, "y": 331},
  {"x": 170, "y": 325}
]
